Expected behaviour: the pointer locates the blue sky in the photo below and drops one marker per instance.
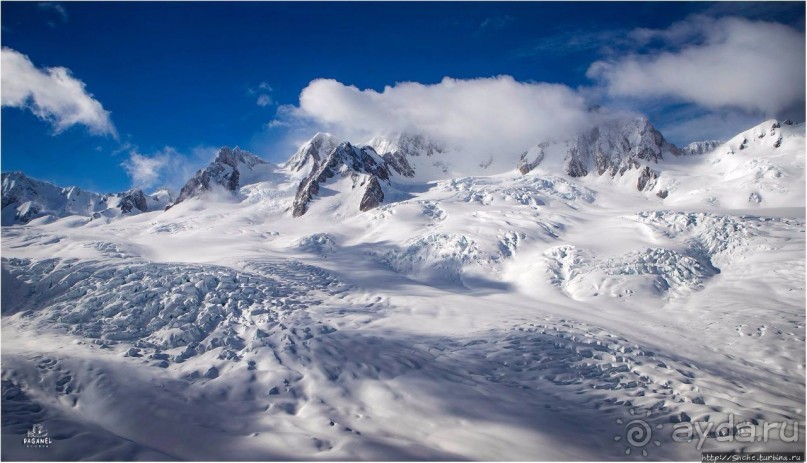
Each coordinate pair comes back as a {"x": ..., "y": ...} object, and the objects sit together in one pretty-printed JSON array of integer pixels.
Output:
[{"x": 164, "y": 84}]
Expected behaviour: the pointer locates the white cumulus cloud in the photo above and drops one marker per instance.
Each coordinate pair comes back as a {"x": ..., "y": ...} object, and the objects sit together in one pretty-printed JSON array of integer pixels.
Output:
[
  {"x": 483, "y": 118},
  {"x": 729, "y": 62},
  {"x": 52, "y": 94}
]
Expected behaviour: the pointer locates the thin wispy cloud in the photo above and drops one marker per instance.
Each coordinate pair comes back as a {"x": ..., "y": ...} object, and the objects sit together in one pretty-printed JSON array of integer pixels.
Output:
[
  {"x": 496, "y": 22},
  {"x": 55, "y": 8},
  {"x": 52, "y": 94},
  {"x": 146, "y": 171},
  {"x": 567, "y": 42}
]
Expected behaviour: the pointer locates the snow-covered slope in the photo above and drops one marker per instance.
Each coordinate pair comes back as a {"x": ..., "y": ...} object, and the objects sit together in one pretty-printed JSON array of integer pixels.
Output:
[
  {"x": 495, "y": 317},
  {"x": 231, "y": 169},
  {"x": 25, "y": 198},
  {"x": 762, "y": 166}
]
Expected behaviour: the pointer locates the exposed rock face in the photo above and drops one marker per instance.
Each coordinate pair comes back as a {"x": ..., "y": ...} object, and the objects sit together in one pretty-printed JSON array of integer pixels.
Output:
[
  {"x": 647, "y": 179},
  {"x": 133, "y": 199},
  {"x": 345, "y": 160},
  {"x": 398, "y": 162},
  {"x": 526, "y": 166},
  {"x": 701, "y": 147},
  {"x": 312, "y": 152},
  {"x": 616, "y": 147},
  {"x": 224, "y": 171},
  {"x": 373, "y": 195},
  {"x": 612, "y": 148},
  {"x": 397, "y": 149}
]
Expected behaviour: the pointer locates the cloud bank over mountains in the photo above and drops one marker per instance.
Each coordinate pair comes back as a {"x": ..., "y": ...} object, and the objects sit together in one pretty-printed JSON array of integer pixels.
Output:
[
  {"x": 728, "y": 68},
  {"x": 477, "y": 116}
]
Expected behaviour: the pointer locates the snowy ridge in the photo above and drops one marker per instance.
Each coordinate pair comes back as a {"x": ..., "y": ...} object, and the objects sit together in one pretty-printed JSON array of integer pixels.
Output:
[
  {"x": 762, "y": 166},
  {"x": 25, "y": 198}
]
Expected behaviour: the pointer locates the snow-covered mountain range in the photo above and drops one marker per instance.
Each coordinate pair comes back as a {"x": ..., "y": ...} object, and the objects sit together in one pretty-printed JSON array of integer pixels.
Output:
[
  {"x": 25, "y": 198},
  {"x": 386, "y": 301},
  {"x": 631, "y": 147}
]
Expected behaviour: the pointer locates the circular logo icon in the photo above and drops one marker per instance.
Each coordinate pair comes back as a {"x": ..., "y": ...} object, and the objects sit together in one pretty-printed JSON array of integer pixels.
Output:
[{"x": 637, "y": 433}]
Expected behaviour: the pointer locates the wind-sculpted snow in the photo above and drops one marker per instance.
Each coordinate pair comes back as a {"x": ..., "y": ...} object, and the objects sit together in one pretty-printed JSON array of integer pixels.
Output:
[{"x": 581, "y": 274}]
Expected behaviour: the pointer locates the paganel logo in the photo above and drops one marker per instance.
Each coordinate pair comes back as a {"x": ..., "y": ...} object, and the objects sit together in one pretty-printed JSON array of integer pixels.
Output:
[{"x": 37, "y": 437}]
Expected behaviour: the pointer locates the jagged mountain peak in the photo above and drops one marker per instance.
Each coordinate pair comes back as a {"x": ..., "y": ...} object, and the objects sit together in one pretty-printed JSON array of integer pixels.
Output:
[
  {"x": 407, "y": 143},
  {"x": 363, "y": 165},
  {"x": 234, "y": 156},
  {"x": 229, "y": 170},
  {"x": 612, "y": 147},
  {"x": 311, "y": 153},
  {"x": 400, "y": 150}
]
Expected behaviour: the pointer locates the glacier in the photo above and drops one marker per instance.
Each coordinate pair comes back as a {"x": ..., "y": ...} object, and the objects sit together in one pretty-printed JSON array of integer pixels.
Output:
[{"x": 384, "y": 301}]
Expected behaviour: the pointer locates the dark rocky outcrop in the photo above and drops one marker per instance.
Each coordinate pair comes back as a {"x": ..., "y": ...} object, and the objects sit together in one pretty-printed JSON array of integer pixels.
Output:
[
  {"x": 525, "y": 166},
  {"x": 133, "y": 199},
  {"x": 373, "y": 195},
  {"x": 345, "y": 160},
  {"x": 398, "y": 162},
  {"x": 224, "y": 172},
  {"x": 398, "y": 149},
  {"x": 647, "y": 179},
  {"x": 616, "y": 147}
]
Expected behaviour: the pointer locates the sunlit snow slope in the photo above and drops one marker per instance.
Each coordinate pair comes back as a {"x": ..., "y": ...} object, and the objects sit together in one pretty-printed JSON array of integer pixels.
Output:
[{"x": 508, "y": 316}]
